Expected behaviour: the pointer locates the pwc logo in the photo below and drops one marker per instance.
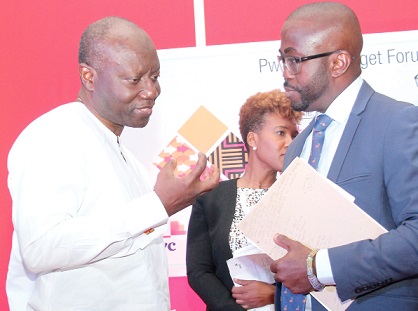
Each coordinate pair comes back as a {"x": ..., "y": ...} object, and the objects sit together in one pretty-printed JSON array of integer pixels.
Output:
[{"x": 170, "y": 246}]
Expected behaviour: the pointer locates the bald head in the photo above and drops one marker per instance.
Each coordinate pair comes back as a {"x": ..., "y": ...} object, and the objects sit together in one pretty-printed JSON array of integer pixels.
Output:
[
  {"x": 331, "y": 25},
  {"x": 119, "y": 70},
  {"x": 110, "y": 32},
  {"x": 327, "y": 34}
]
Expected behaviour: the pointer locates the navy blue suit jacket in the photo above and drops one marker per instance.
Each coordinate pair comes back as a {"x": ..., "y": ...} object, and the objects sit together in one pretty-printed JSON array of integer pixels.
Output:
[{"x": 377, "y": 162}]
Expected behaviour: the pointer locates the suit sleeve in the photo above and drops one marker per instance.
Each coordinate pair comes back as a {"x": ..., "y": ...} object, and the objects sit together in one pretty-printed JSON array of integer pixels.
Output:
[{"x": 201, "y": 268}]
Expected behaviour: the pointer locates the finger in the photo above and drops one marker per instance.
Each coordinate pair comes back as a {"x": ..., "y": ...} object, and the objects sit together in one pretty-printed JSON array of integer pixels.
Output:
[
  {"x": 199, "y": 168},
  {"x": 274, "y": 268},
  {"x": 243, "y": 304},
  {"x": 170, "y": 166},
  {"x": 215, "y": 171},
  {"x": 283, "y": 241},
  {"x": 242, "y": 282},
  {"x": 237, "y": 291},
  {"x": 201, "y": 162},
  {"x": 206, "y": 175},
  {"x": 211, "y": 179},
  {"x": 239, "y": 301},
  {"x": 210, "y": 173}
]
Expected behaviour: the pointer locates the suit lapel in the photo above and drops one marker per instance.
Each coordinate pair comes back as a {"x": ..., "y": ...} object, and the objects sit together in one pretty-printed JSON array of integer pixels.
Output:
[
  {"x": 229, "y": 201},
  {"x": 342, "y": 150},
  {"x": 350, "y": 129}
]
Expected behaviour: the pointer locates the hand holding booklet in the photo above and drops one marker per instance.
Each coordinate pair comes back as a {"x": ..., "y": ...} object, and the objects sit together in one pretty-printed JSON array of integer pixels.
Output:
[
  {"x": 250, "y": 263},
  {"x": 309, "y": 208}
]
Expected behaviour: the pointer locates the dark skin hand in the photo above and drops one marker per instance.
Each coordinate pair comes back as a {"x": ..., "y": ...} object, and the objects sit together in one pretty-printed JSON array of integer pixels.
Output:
[
  {"x": 253, "y": 294},
  {"x": 291, "y": 269},
  {"x": 176, "y": 193}
]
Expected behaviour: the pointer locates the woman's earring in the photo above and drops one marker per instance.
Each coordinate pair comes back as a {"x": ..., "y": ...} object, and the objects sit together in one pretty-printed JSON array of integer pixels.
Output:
[{"x": 254, "y": 148}]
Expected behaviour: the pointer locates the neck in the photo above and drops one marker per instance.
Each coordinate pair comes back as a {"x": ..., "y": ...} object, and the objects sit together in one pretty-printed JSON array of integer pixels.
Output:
[
  {"x": 116, "y": 129},
  {"x": 249, "y": 180}
]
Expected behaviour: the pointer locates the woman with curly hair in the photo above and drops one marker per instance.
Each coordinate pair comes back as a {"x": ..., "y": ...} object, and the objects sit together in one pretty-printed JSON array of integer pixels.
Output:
[{"x": 267, "y": 124}]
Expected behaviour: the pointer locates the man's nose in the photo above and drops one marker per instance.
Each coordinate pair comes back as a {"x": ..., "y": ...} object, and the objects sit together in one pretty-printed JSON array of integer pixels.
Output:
[{"x": 150, "y": 90}]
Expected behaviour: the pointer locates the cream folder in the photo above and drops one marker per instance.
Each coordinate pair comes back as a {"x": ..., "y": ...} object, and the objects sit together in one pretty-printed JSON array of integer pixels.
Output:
[{"x": 309, "y": 208}]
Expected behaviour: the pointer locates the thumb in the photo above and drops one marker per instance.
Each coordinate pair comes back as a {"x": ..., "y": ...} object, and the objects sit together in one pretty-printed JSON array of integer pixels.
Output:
[
  {"x": 170, "y": 166},
  {"x": 283, "y": 241}
]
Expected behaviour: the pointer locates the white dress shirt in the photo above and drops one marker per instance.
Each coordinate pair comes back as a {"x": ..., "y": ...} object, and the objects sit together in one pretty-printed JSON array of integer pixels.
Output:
[
  {"x": 79, "y": 213},
  {"x": 339, "y": 111}
]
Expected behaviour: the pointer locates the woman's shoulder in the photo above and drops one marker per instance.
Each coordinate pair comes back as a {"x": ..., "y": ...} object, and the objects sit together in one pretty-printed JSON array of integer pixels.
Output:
[
  {"x": 227, "y": 184},
  {"x": 225, "y": 187}
]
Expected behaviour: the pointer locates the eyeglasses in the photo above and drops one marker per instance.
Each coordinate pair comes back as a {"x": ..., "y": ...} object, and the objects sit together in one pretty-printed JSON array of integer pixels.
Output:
[{"x": 292, "y": 62}]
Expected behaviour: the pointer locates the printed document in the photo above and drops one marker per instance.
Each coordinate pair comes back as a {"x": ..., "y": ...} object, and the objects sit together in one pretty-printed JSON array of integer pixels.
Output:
[{"x": 309, "y": 208}]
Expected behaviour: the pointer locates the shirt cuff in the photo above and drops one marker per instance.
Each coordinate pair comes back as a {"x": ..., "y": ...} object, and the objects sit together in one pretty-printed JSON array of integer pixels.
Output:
[
  {"x": 323, "y": 268},
  {"x": 146, "y": 213}
]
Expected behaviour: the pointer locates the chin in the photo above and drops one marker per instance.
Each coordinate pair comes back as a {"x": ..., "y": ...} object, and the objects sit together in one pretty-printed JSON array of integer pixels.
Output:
[
  {"x": 140, "y": 124},
  {"x": 299, "y": 106}
]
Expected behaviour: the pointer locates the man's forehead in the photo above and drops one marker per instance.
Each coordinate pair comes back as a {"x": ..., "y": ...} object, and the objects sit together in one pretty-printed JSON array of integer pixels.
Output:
[{"x": 303, "y": 37}]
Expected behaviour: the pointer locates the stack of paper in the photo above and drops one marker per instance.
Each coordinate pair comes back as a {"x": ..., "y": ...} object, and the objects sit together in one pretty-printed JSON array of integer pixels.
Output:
[{"x": 308, "y": 208}]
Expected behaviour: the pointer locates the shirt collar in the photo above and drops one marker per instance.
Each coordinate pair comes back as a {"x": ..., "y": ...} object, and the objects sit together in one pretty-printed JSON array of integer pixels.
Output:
[{"x": 340, "y": 108}]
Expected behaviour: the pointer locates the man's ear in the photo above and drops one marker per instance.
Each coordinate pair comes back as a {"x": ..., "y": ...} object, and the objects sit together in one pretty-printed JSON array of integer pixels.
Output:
[
  {"x": 341, "y": 63},
  {"x": 87, "y": 75}
]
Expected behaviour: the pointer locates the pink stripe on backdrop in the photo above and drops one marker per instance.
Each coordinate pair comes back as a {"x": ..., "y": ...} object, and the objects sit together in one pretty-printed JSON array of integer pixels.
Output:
[{"x": 183, "y": 297}]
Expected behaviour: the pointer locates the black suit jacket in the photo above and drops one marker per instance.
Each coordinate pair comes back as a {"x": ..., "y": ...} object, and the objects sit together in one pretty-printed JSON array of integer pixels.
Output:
[{"x": 208, "y": 247}]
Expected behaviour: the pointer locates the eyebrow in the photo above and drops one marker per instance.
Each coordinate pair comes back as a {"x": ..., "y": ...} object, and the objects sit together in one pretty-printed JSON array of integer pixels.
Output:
[
  {"x": 287, "y": 50},
  {"x": 281, "y": 127}
]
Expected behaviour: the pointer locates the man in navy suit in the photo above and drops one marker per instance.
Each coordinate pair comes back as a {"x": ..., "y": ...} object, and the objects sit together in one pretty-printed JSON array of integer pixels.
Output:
[{"x": 370, "y": 150}]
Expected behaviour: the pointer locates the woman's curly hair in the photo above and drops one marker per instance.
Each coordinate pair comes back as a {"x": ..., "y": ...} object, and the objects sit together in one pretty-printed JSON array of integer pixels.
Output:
[{"x": 251, "y": 115}]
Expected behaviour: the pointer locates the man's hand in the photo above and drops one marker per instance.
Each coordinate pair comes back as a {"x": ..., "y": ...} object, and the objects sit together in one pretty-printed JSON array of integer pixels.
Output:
[
  {"x": 177, "y": 193},
  {"x": 291, "y": 269},
  {"x": 253, "y": 294}
]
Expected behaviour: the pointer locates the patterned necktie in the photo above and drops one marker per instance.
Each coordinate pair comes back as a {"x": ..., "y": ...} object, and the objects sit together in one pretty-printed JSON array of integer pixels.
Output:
[
  {"x": 318, "y": 135},
  {"x": 288, "y": 300}
]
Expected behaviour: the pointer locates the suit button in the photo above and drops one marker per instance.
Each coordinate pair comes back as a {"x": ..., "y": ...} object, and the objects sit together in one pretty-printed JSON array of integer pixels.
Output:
[{"x": 361, "y": 289}]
